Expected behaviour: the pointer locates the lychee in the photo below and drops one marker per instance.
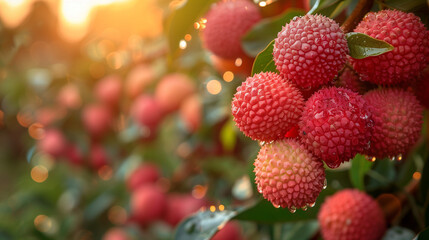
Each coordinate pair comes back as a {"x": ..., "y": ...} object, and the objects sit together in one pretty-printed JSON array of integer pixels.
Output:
[
  {"x": 407, "y": 34},
  {"x": 108, "y": 90},
  {"x": 310, "y": 50},
  {"x": 180, "y": 206},
  {"x": 288, "y": 175},
  {"x": 74, "y": 155},
  {"x": 335, "y": 125},
  {"x": 350, "y": 79},
  {"x": 98, "y": 157},
  {"x": 351, "y": 215},
  {"x": 138, "y": 79},
  {"x": 191, "y": 112},
  {"x": 148, "y": 204},
  {"x": 398, "y": 118},
  {"x": 69, "y": 97},
  {"x": 421, "y": 88},
  {"x": 227, "y": 22},
  {"x": 116, "y": 234},
  {"x": 266, "y": 106},
  {"x": 97, "y": 119},
  {"x": 53, "y": 143},
  {"x": 147, "y": 111},
  {"x": 231, "y": 231},
  {"x": 145, "y": 174},
  {"x": 172, "y": 90}
]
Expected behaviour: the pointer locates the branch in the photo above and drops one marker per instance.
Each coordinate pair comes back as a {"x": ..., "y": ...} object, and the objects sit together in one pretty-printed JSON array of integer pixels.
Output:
[{"x": 357, "y": 15}]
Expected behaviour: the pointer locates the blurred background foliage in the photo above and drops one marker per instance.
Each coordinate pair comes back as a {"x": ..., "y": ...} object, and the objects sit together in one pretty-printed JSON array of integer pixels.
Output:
[{"x": 71, "y": 74}]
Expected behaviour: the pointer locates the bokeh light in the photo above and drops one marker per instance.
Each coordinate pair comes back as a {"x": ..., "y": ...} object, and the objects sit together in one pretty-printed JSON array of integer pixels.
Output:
[
  {"x": 214, "y": 87},
  {"x": 39, "y": 173}
]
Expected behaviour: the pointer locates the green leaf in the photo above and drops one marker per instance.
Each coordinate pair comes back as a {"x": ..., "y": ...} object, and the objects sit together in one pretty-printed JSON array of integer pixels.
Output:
[
  {"x": 362, "y": 45},
  {"x": 203, "y": 225},
  {"x": 98, "y": 206},
  {"x": 332, "y": 8},
  {"x": 360, "y": 166},
  {"x": 398, "y": 233},
  {"x": 228, "y": 135},
  {"x": 264, "y": 62},
  {"x": 405, "y": 6},
  {"x": 300, "y": 230},
  {"x": 423, "y": 235},
  {"x": 265, "y": 31},
  {"x": 182, "y": 19}
]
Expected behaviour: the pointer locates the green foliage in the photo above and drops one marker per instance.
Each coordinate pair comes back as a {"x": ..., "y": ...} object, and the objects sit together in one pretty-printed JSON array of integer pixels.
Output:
[
  {"x": 360, "y": 166},
  {"x": 363, "y": 46},
  {"x": 264, "y": 61}
]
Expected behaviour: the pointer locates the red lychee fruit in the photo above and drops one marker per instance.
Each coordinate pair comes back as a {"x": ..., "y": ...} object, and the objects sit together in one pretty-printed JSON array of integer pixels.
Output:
[
  {"x": 147, "y": 111},
  {"x": 148, "y": 204},
  {"x": 139, "y": 78},
  {"x": 421, "y": 88},
  {"x": 98, "y": 157},
  {"x": 53, "y": 143},
  {"x": 288, "y": 175},
  {"x": 351, "y": 215},
  {"x": 97, "y": 119},
  {"x": 69, "y": 97},
  {"x": 350, "y": 79},
  {"x": 398, "y": 118},
  {"x": 336, "y": 125},
  {"x": 231, "y": 231},
  {"x": 310, "y": 50},
  {"x": 74, "y": 155},
  {"x": 227, "y": 23},
  {"x": 48, "y": 115},
  {"x": 108, "y": 90},
  {"x": 181, "y": 206},
  {"x": 145, "y": 174},
  {"x": 266, "y": 106},
  {"x": 407, "y": 34},
  {"x": 172, "y": 90},
  {"x": 116, "y": 234},
  {"x": 191, "y": 112}
]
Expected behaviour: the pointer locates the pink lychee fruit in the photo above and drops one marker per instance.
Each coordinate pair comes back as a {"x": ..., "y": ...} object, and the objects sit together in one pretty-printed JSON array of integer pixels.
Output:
[
  {"x": 98, "y": 157},
  {"x": 172, "y": 90},
  {"x": 148, "y": 204},
  {"x": 74, "y": 155},
  {"x": 191, "y": 112},
  {"x": 181, "y": 206},
  {"x": 266, "y": 106},
  {"x": 53, "y": 143},
  {"x": 227, "y": 23},
  {"x": 69, "y": 97},
  {"x": 145, "y": 174},
  {"x": 108, "y": 90},
  {"x": 350, "y": 79},
  {"x": 409, "y": 37},
  {"x": 97, "y": 119},
  {"x": 147, "y": 111},
  {"x": 351, "y": 215},
  {"x": 138, "y": 80},
  {"x": 398, "y": 118},
  {"x": 288, "y": 175},
  {"x": 336, "y": 124},
  {"x": 116, "y": 234},
  {"x": 231, "y": 231},
  {"x": 310, "y": 50}
]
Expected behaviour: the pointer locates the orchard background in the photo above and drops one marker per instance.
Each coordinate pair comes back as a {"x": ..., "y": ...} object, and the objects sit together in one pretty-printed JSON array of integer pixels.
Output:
[{"x": 115, "y": 123}]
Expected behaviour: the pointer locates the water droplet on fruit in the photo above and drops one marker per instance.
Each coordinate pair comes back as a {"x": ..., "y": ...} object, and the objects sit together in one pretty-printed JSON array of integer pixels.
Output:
[
  {"x": 325, "y": 184},
  {"x": 399, "y": 157},
  {"x": 262, "y": 143},
  {"x": 292, "y": 209},
  {"x": 311, "y": 204},
  {"x": 276, "y": 206},
  {"x": 304, "y": 208},
  {"x": 392, "y": 158}
]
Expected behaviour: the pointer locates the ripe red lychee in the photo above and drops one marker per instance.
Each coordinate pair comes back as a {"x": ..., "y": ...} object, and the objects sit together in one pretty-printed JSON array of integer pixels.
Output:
[
  {"x": 53, "y": 143},
  {"x": 172, "y": 90},
  {"x": 180, "y": 206},
  {"x": 266, "y": 106},
  {"x": 310, "y": 50},
  {"x": 148, "y": 204},
  {"x": 139, "y": 78},
  {"x": 116, "y": 234},
  {"x": 97, "y": 119},
  {"x": 407, "y": 34},
  {"x": 69, "y": 97},
  {"x": 191, "y": 112},
  {"x": 288, "y": 175},
  {"x": 108, "y": 90},
  {"x": 48, "y": 115},
  {"x": 336, "y": 125},
  {"x": 350, "y": 79},
  {"x": 398, "y": 118},
  {"x": 231, "y": 231},
  {"x": 98, "y": 157},
  {"x": 351, "y": 215},
  {"x": 74, "y": 155},
  {"x": 421, "y": 88},
  {"x": 147, "y": 111},
  {"x": 227, "y": 22},
  {"x": 145, "y": 174}
]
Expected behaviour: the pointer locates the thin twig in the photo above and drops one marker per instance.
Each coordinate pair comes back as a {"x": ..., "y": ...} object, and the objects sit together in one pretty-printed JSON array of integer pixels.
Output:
[{"x": 356, "y": 16}]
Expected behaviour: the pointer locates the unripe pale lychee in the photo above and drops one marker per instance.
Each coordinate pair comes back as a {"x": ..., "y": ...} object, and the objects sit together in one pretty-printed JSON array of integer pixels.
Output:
[
  {"x": 148, "y": 204},
  {"x": 231, "y": 231},
  {"x": 288, "y": 175},
  {"x": 351, "y": 215},
  {"x": 336, "y": 125},
  {"x": 147, "y": 111},
  {"x": 108, "y": 90},
  {"x": 145, "y": 174},
  {"x": 139, "y": 78},
  {"x": 407, "y": 34},
  {"x": 97, "y": 119},
  {"x": 266, "y": 106},
  {"x": 227, "y": 22},
  {"x": 53, "y": 143},
  {"x": 310, "y": 50},
  {"x": 398, "y": 118},
  {"x": 172, "y": 90},
  {"x": 181, "y": 206},
  {"x": 191, "y": 112}
]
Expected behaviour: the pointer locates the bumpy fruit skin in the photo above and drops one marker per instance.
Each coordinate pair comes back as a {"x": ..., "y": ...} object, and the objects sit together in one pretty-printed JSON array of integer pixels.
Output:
[
  {"x": 288, "y": 175},
  {"x": 148, "y": 204},
  {"x": 336, "y": 125},
  {"x": 350, "y": 79},
  {"x": 231, "y": 231},
  {"x": 227, "y": 22},
  {"x": 266, "y": 106},
  {"x": 398, "y": 118},
  {"x": 172, "y": 90},
  {"x": 310, "y": 50},
  {"x": 351, "y": 215},
  {"x": 146, "y": 174},
  {"x": 407, "y": 34}
]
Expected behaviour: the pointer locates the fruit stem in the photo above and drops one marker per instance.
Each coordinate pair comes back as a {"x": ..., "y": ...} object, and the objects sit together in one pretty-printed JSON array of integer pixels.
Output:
[{"x": 362, "y": 7}]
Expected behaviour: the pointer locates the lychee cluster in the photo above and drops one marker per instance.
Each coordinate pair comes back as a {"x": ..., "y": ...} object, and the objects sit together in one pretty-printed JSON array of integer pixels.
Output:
[{"x": 346, "y": 113}]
